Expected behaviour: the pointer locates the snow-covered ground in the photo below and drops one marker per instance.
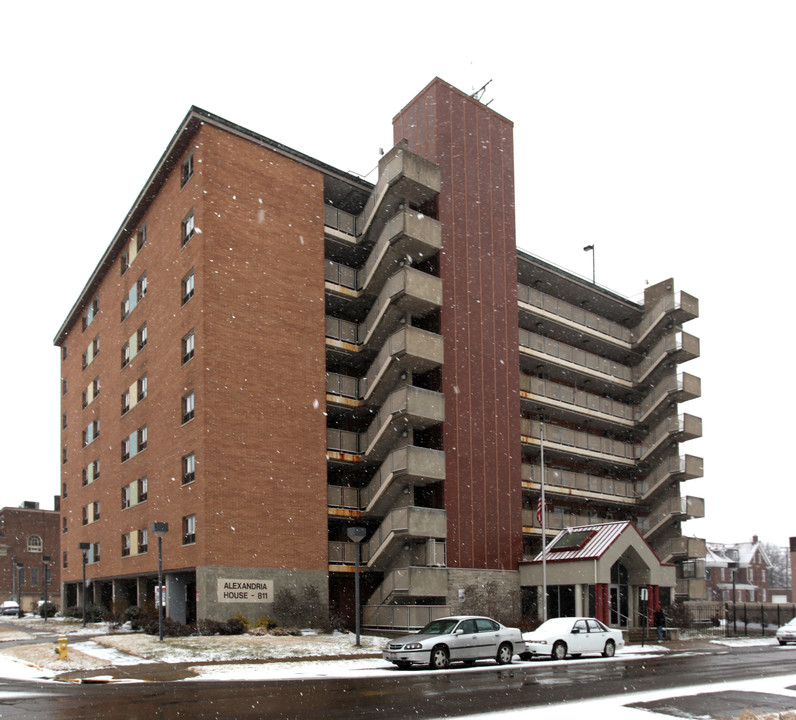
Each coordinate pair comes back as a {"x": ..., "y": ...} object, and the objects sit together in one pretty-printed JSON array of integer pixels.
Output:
[{"x": 316, "y": 656}]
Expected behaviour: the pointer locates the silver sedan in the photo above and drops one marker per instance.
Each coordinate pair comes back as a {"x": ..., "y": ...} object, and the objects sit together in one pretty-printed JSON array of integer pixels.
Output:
[{"x": 464, "y": 638}]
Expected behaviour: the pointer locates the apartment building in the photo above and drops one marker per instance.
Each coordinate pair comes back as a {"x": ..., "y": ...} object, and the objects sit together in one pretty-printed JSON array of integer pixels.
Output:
[
  {"x": 275, "y": 352},
  {"x": 29, "y": 548}
]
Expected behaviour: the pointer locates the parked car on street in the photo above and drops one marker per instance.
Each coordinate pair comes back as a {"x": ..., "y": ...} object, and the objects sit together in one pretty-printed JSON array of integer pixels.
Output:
[
  {"x": 787, "y": 633},
  {"x": 9, "y": 607},
  {"x": 573, "y": 636},
  {"x": 462, "y": 638}
]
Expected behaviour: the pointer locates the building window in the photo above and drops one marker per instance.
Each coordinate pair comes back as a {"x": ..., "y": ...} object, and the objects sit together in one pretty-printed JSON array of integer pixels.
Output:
[
  {"x": 64, "y": 386},
  {"x": 34, "y": 544},
  {"x": 188, "y": 468},
  {"x": 91, "y": 433},
  {"x": 125, "y": 262},
  {"x": 189, "y": 530},
  {"x": 126, "y": 545},
  {"x": 187, "y": 169},
  {"x": 142, "y": 438},
  {"x": 34, "y": 576},
  {"x": 142, "y": 489},
  {"x": 188, "y": 343},
  {"x": 187, "y": 227},
  {"x": 63, "y": 455},
  {"x": 125, "y": 497},
  {"x": 143, "y": 540},
  {"x": 142, "y": 337},
  {"x": 91, "y": 352},
  {"x": 134, "y": 296},
  {"x": 20, "y": 577},
  {"x": 91, "y": 313},
  {"x": 142, "y": 387},
  {"x": 140, "y": 237},
  {"x": 65, "y": 558},
  {"x": 134, "y": 443},
  {"x": 63, "y": 420},
  {"x": 63, "y": 352},
  {"x": 65, "y": 524},
  {"x": 91, "y": 472},
  {"x": 125, "y": 354},
  {"x": 125, "y": 401},
  {"x": 64, "y": 490},
  {"x": 95, "y": 510},
  {"x": 85, "y": 515},
  {"x": 188, "y": 406},
  {"x": 187, "y": 287},
  {"x": 94, "y": 553}
]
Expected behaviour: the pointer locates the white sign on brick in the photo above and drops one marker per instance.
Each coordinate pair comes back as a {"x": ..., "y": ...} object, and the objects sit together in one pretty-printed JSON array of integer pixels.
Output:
[{"x": 245, "y": 590}]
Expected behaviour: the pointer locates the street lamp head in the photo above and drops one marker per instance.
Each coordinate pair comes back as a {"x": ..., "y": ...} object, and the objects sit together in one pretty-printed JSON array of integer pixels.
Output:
[
  {"x": 46, "y": 559},
  {"x": 356, "y": 534},
  {"x": 84, "y": 548},
  {"x": 160, "y": 528}
]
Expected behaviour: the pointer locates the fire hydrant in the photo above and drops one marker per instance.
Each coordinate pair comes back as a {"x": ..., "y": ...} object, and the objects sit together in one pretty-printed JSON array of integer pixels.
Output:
[{"x": 62, "y": 648}]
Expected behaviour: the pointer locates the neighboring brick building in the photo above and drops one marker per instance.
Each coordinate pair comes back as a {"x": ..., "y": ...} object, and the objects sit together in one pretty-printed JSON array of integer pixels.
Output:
[
  {"x": 274, "y": 350},
  {"x": 750, "y": 565},
  {"x": 28, "y": 536}
]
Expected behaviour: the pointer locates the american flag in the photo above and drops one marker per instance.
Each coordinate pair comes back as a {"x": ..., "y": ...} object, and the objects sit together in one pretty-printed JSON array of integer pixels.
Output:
[{"x": 539, "y": 510}]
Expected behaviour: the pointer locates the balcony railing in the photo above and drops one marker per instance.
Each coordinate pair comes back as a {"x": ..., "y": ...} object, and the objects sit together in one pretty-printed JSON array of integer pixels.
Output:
[
  {"x": 579, "y": 442},
  {"x": 344, "y": 222},
  {"x": 574, "y": 314},
  {"x": 567, "y": 480},
  {"x": 683, "y": 384},
  {"x": 677, "y": 345},
  {"x": 683, "y": 467},
  {"x": 675, "y": 427},
  {"x": 343, "y": 497},
  {"x": 576, "y": 398},
  {"x": 677, "y": 508},
  {"x": 686, "y": 304},
  {"x": 553, "y": 350}
]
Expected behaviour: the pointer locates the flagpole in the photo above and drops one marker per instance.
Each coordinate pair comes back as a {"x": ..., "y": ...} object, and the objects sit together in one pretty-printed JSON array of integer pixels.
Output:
[{"x": 544, "y": 526}]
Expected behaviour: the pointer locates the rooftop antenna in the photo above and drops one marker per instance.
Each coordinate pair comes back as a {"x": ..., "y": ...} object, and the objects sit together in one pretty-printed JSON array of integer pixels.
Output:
[{"x": 478, "y": 94}]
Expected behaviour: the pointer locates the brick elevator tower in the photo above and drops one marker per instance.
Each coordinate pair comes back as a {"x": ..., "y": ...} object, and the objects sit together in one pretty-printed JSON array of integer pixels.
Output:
[{"x": 473, "y": 146}]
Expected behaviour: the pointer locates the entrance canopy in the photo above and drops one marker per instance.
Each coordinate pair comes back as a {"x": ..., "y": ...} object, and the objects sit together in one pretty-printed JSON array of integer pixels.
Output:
[{"x": 586, "y": 554}]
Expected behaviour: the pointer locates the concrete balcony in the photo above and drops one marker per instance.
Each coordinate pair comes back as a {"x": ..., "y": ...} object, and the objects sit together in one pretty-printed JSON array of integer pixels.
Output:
[
  {"x": 575, "y": 321},
  {"x": 580, "y": 485},
  {"x": 409, "y": 350},
  {"x": 555, "y": 521},
  {"x": 575, "y": 362},
  {"x": 676, "y": 428},
  {"x": 691, "y": 588},
  {"x": 574, "y": 403},
  {"x": 674, "y": 309},
  {"x": 403, "y": 467},
  {"x": 679, "y": 467},
  {"x": 400, "y": 526},
  {"x": 409, "y": 291},
  {"x": 407, "y": 582},
  {"x": 402, "y": 617},
  {"x": 673, "y": 349},
  {"x": 671, "y": 388},
  {"x": 407, "y": 237},
  {"x": 575, "y": 443},
  {"x": 407, "y": 407},
  {"x": 681, "y": 548},
  {"x": 671, "y": 510},
  {"x": 404, "y": 179}
]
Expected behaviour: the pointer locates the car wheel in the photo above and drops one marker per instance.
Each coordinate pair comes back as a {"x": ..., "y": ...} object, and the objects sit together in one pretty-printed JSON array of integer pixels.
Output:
[
  {"x": 403, "y": 665},
  {"x": 440, "y": 659},
  {"x": 504, "y": 654},
  {"x": 610, "y": 649},
  {"x": 559, "y": 651}
]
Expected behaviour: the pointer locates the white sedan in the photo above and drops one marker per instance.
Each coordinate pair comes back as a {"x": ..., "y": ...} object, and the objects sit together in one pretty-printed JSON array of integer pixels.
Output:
[
  {"x": 787, "y": 633},
  {"x": 466, "y": 638},
  {"x": 573, "y": 636}
]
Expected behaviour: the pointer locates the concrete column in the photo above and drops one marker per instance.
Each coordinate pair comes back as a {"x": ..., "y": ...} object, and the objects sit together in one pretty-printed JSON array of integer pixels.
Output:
[{"x": 579, "y": 600}]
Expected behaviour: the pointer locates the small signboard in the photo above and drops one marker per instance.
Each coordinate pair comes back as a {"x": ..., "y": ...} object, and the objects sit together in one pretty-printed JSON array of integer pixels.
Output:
[{"x": 245, "y": 590}]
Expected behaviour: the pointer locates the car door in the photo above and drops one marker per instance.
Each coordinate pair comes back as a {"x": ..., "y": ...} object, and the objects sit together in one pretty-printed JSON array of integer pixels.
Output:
[
  {"x": 463, "y": 642},
  {"x": 489, "y": 637},
  {"x": 597, "y": 636},
  {"x": 579, "y": 637}
]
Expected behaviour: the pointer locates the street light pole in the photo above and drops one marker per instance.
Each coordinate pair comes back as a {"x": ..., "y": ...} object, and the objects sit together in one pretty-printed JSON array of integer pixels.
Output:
[
  {"x": 160, "y": 529},
  {"x": 590, "y": 248},
  {"x": 45, "y": 560},
  {"x": 357, "y": 535},
  {"x": 19, "y": 590},
  {"x": 84, "y": 548}
]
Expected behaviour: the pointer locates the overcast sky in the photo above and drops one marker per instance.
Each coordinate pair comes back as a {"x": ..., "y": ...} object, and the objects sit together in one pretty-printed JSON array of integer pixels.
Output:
[{"x": 663, "y": 133}]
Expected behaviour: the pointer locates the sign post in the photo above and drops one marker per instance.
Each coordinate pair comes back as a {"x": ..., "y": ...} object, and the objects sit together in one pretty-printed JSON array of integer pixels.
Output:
[{"x": 356, "y": 535}]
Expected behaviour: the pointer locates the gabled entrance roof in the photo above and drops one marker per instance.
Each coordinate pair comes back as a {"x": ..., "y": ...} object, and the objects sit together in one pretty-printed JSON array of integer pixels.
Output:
[{"x": 586, "y": 554}]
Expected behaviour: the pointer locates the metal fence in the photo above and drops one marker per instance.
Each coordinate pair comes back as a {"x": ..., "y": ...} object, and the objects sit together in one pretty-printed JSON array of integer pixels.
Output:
[{"x": 730, "y": 619}]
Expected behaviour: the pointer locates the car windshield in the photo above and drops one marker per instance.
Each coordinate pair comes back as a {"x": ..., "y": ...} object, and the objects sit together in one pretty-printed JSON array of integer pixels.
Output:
[{"x": 438, "y": 627}]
